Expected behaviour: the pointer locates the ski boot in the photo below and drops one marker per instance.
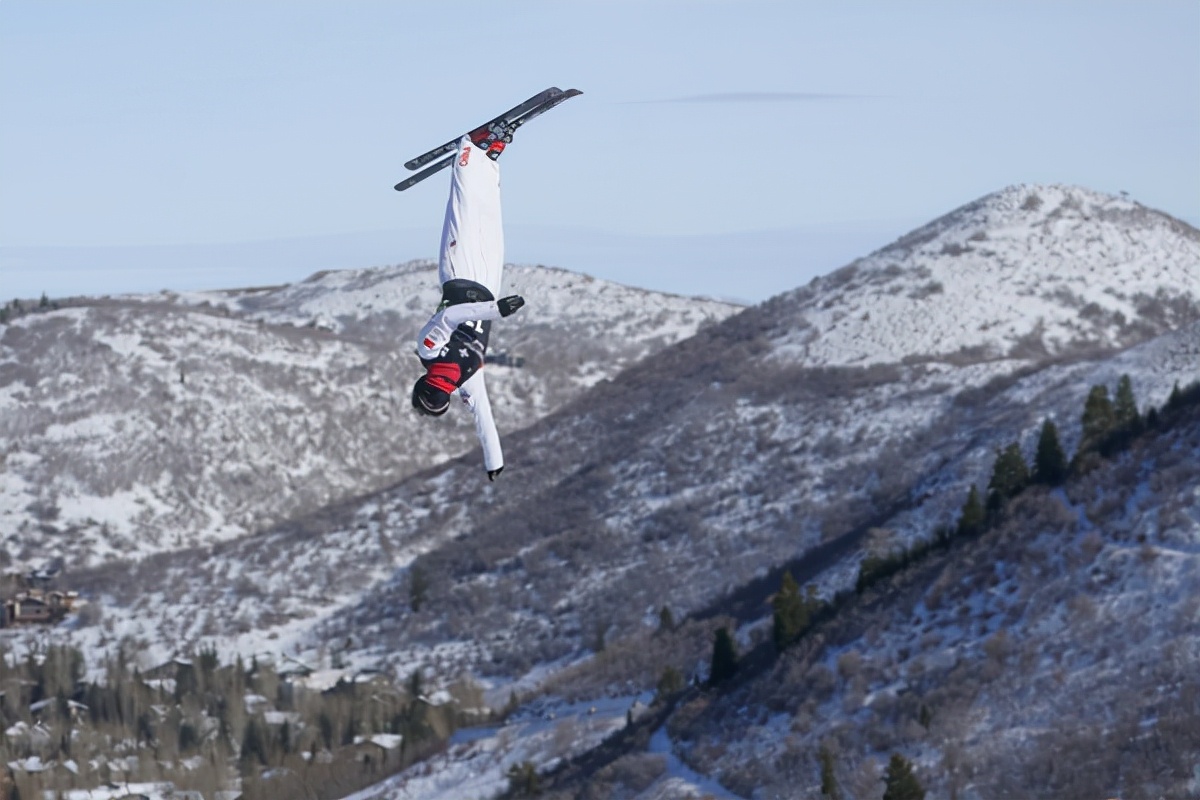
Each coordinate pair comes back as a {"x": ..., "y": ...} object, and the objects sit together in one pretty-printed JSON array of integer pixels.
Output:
[{"x": 493, "y": 138}]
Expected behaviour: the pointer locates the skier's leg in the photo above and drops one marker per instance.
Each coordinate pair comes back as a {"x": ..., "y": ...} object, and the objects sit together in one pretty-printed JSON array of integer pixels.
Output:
[{"x": 473, "y": 236}]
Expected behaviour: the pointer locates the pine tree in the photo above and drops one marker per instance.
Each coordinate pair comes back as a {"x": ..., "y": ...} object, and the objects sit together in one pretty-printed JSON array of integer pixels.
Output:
[
  {"x": 523, "y": 779},
  {"x": 1176, "y": 398},
  {"x": 1009, "y": 476},
  {"x": 666, "y": 620},
  {"x": 325, "y": 726},
  {"x": 724, "y": 657},
  {"x": 970, "y": 521},
  {"x": 790, "y": 616},
  {"x": 1050, "y": 463},
  {"x": 670, "y": 682},
  {"x": 418, "y": 588},
  {"x": 829, "y": 784},
  {"x": 1125, "y": 411},
  {"x": 254, "y": 746},
  {"x": 1098, "y": 418},
  {"x": 899, "y": 781}
]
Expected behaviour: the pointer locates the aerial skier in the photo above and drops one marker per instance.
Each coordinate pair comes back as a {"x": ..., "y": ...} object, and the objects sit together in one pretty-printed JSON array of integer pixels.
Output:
[{"x": 453, "y": 344}]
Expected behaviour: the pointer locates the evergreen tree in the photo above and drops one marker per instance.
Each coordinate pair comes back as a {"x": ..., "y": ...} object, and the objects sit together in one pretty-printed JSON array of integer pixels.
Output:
[
  {"x": 254, "y": 744},
  {"x": 523, "y": 780},
  {"x": 1098, "y": 419},
  {"x": 970, "y": 521},
  {"x": 790, "y": 617},
  {"x": 1009, "y": 476},
  {"x": 724, "y": 657},
  {"x": 829, "y": 784},
  {"x": 1125, "y": 411},
  {"x": 793, "y": 612},
  {"x": 189, "y": 738},
  {"x": 418, "y": 588},
  {"x": 1050, "y": 463},
  {"x": 666, "y": 620},
  {"x": 899, "y": 781},
  {"x": 670, "y": 682},
  {"x": 1176, "y": 398},
  {"x": 325, "y": 726}
]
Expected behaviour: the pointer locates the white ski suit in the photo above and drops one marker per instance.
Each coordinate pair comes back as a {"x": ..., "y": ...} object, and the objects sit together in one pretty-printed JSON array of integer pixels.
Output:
[{"x": 472, "y": 249}]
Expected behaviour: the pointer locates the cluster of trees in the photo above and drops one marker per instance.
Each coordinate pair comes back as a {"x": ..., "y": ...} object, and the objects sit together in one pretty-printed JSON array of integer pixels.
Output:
[
  {"x": 1109, "y": 425},
  {"x": 1110, "y": 422},
  {"x": 15, "y": 308},
  {"x": 203, "y": 726},
  {"x": 793, "y": 614}
]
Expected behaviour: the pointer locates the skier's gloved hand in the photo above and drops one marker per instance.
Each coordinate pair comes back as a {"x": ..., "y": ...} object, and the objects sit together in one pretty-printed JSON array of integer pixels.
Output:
[
  {"x": 509, "y": 305},
  {"x": 492, "y": 473}
]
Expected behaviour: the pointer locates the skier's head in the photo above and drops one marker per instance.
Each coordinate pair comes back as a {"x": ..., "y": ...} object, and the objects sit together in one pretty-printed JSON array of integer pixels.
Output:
[{"x": 429, "y": 399}]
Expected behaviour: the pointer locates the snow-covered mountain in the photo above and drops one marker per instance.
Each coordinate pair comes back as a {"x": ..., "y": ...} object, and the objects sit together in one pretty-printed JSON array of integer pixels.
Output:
[
  {"x": 730, "y": 448},
  {"x": 1024, "y": 272},
  {"x": 872, "y": 398},
  {"x": 141, "y": 424}
]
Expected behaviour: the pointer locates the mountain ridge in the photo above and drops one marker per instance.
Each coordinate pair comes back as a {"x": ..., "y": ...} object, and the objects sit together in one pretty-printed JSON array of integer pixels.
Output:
[
  {"x": 690, "y": 472},
  {"x": 102, "y": 398}
]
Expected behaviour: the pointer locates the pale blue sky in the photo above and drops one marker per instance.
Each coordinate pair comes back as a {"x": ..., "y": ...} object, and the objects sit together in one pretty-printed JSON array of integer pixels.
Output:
[{"x": 727, "y": 148}]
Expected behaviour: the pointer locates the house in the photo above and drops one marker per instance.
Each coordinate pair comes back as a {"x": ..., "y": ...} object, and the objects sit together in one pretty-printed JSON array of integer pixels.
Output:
[
  {"x": 37, "y": 607},
  {"x": 293, "y": 669},
  {"x": 378, "y": 750}
]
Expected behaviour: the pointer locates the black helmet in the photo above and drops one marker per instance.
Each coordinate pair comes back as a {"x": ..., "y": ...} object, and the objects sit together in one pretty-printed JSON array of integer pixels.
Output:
[{"x": 428, "y": 399}]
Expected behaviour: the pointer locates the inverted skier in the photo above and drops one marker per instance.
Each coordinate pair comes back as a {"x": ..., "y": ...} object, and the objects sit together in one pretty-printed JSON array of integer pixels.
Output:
[{"x": 453, "y": 344}]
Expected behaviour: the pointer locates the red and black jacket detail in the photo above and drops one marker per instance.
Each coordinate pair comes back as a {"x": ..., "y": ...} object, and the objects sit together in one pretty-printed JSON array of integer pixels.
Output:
[{"x": 464, "y": 354}]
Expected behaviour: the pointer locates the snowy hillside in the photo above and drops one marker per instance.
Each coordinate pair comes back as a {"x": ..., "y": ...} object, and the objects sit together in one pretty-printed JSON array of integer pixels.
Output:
[
  {"x": 1052, "y": 658},
  {"x": 725, "y": 465},
  {"x": 1024, "y": 272},
  {"x": 777, "y": 437},
  {"x": 141, "y": 424}
]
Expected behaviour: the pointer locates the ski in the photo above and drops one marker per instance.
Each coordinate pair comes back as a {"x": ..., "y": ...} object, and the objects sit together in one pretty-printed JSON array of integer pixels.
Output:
[
  {"x": 413, "y": 180},
  {"x": 537, "y": 111},
  {"x": 512, "y": 113},
  {"x": 511, "y": 120}
]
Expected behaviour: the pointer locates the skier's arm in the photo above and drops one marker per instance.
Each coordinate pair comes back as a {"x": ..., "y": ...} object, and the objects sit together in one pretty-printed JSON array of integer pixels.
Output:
[
  {"x": 486, "y": 310},
  {"x": 474, "y": 394}
]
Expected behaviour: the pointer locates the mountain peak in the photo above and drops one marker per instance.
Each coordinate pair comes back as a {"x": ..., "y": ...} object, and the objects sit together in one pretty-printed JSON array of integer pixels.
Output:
[{"x": 1025, "y": 272}]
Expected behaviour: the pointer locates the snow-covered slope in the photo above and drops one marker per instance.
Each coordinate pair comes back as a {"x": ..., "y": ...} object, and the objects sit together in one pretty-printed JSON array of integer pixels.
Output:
[
  {"x": 685, "y": 477},
  {"x": 1026, "y": 271},
  {"x": 1052, "y": 658},
  {"x": 781, "y": 431},
  {"x": 141, "y": 424}
]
